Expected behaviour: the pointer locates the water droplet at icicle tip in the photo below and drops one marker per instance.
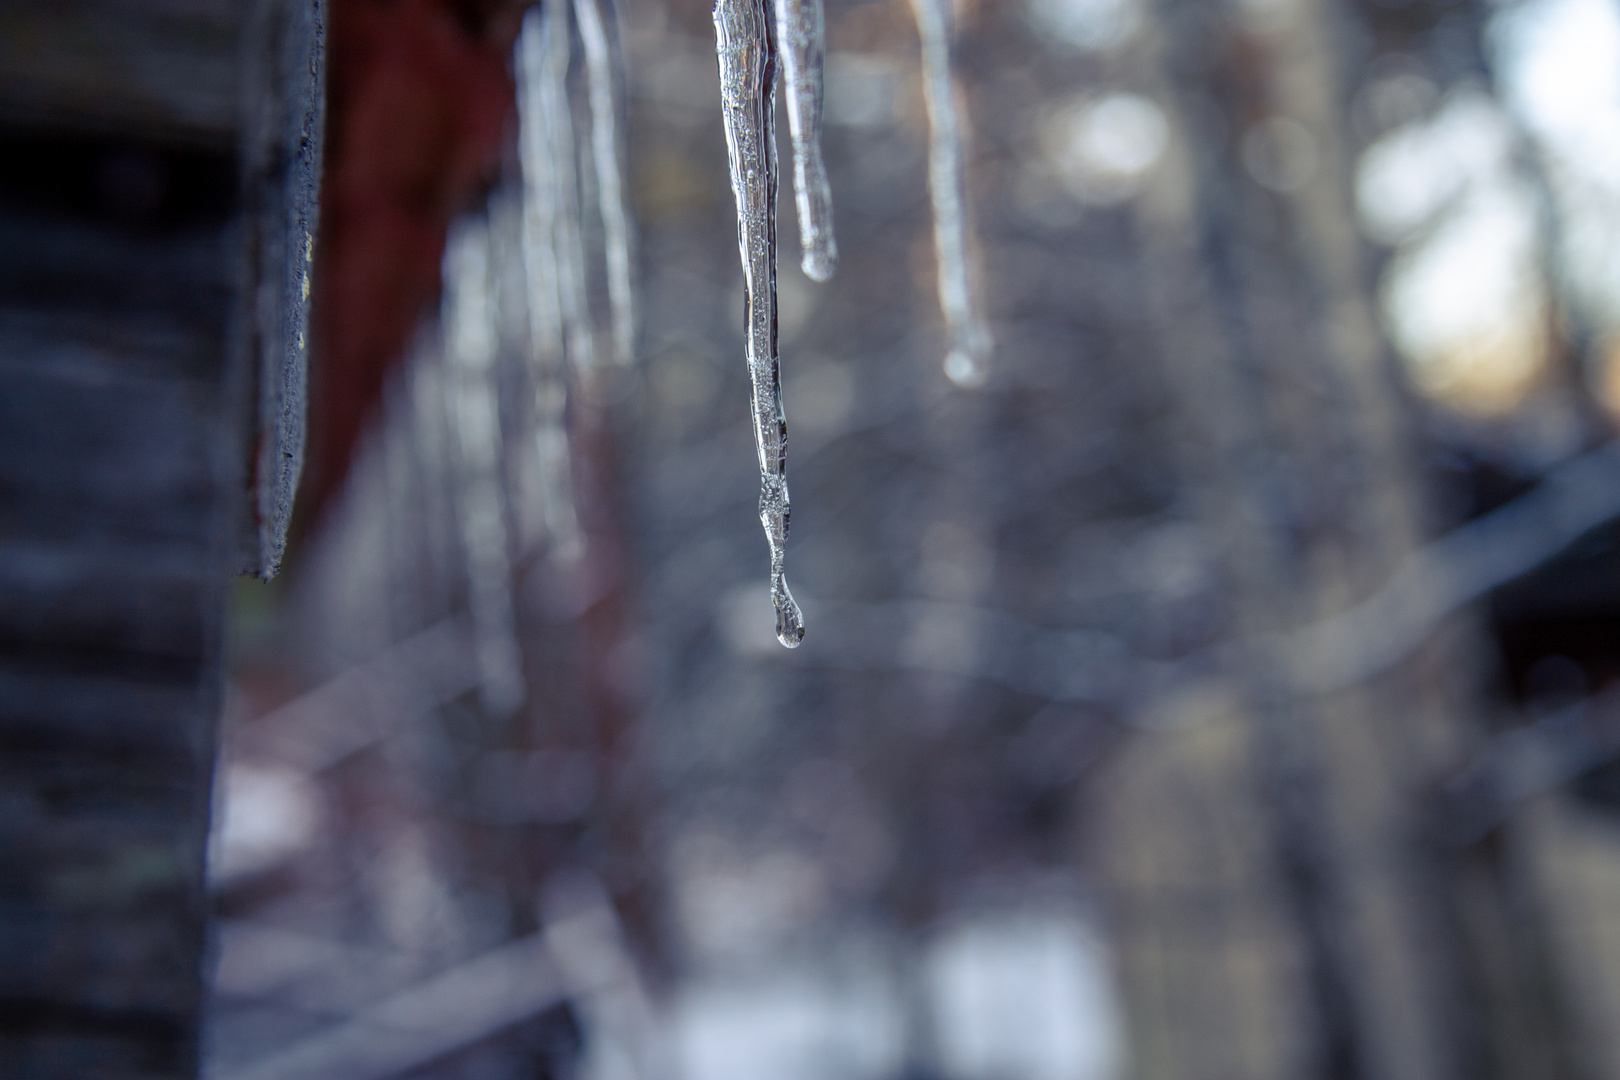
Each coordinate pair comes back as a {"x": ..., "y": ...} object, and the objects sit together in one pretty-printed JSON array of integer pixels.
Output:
[
  {"x": 789, "y": 619},
  {"x": 746, "y": 46}
]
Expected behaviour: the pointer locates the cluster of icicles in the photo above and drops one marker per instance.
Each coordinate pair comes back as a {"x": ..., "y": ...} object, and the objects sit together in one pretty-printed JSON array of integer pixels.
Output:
[
  {"x": 518, "y": 281},
  {"x": 752, "y": 37},
  {"x": 518, "y": 328}
]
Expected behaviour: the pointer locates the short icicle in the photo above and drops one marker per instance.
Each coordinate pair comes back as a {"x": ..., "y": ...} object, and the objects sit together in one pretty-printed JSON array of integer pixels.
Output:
[
  {"x": 802, "y": 39},
  {"x": 747, "y": 50},
  {"x": 967, "y": 362},
  {"x": 604, "y": 79}
]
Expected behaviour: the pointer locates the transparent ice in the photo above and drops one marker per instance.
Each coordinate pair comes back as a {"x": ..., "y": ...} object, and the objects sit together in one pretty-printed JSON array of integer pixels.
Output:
[
  {"x": 545, "y": 53},
  {"x": 967, "y": 362},
  {"x": 469, "y": 320},
  {"x": 801, "y": 36},
  {"x": 745, "y": 41},
  {"x": 604, "y": 79},
  {"x": 550, "y": 243}
]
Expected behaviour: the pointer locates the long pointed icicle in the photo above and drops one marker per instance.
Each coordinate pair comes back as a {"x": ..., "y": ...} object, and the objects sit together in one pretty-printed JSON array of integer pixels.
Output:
[
  {"x": 550, "y": 96},
  {"x": 430, "y": 440},
  {"x": 470, "y": 347},
  {"x": 746, "y": 45},
  {"x": 967, "y": 363},
  {"x": 801, "y": 36},
  {"x": 603, "y": 78},
  {"x": 545, "y": 172}
]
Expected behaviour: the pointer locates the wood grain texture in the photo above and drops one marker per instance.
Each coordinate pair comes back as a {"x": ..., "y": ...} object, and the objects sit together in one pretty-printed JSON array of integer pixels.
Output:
[{"x": 158, "y": 167}]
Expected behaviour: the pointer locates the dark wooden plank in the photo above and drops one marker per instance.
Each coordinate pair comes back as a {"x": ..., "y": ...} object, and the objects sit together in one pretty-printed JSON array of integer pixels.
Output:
[
  {"x": 164, "y": 69},
  {"x": 158, "y": 171},
  {"x": 281, "y": 143}
]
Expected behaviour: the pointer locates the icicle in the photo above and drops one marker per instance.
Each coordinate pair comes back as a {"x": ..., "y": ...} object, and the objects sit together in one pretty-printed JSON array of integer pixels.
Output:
[
  {"x": 747, "y": 50},
  {"x": 603, "y": 77},
  {"x": 546, "y": 155},
  {"x": 799, "y": 32},
  {"x": 546, "y": 53},
  {"x": 430, "y": 437},
  {"x": 967, "y": 363},
  {"x": 403, "y": 500},
  {"x": 469, "y": 344}
]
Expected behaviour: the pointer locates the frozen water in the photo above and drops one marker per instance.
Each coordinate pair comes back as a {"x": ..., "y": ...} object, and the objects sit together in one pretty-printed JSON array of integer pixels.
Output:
[
  {"x": 745, "y": 41},
  {"x": 604, "y": 79},
  {"x": 546, "y": 157},
  {"x": 967, "y": 361},
  {"x": 800, "y": 34},
  {"x": 470, "y": 349},
  {"x": 747, "y": 37},
  {"x": 544, "y": 53}
]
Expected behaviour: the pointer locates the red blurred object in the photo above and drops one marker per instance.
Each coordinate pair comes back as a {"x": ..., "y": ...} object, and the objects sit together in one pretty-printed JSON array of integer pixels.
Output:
[{"x": 420, "y": 96}]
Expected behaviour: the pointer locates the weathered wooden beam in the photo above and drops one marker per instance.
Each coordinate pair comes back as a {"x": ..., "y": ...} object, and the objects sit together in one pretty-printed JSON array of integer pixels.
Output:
[{"x": 158, "y": 169}]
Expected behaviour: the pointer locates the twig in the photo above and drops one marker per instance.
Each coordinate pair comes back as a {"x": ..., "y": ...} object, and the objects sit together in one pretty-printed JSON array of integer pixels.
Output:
[
  {"x": 465, "y": 1004},
  {"x": 367, "y": 702},
  {"x": 1460, "y": 567}
]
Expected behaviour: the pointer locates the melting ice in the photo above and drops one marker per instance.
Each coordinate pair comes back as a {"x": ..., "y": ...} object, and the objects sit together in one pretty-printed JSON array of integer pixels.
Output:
[
  {"x": 745, "y": 39},
  {"x": 967, "y": 362},
  {"x": 802, "y": 41}
]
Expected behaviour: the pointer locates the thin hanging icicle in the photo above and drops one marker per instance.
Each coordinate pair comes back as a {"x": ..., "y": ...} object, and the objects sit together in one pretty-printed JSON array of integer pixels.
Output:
[
  {"x": 430, "y": 438},
  {"x": 546, "y": 159},
  {"x": 603, "y": 78},
  {"x": 967, "y": 363},
  {"x": 801, "y": 36},
  {"x": 747, "y": 50},
  {"x": 403, "y": 498},
  {"x": 469, "y": 345},
  {"x": 547, "y": 34}
]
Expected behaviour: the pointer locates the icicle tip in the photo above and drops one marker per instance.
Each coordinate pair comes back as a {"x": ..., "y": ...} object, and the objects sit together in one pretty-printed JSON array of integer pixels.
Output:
[
  {"x": 789, "y": 619},
  {"x": 821, "y": 262},
  {"x": 964, "y": 370}
]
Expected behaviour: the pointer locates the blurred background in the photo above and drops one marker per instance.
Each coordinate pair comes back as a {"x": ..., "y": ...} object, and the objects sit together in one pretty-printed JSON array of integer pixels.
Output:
[{"x": 1221, "y": 689}]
